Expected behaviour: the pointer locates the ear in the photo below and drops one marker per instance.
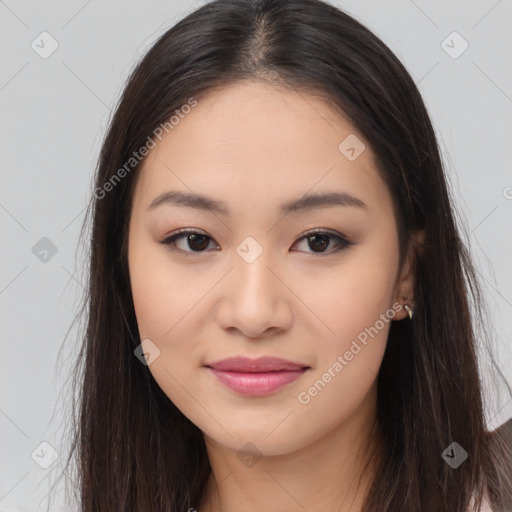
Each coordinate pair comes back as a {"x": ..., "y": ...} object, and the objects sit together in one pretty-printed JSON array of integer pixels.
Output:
[{"x": 404, "y": 287}]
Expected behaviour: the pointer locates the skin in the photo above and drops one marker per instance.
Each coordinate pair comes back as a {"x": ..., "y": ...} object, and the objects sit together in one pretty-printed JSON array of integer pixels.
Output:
[{"x": 254, "y": 146}]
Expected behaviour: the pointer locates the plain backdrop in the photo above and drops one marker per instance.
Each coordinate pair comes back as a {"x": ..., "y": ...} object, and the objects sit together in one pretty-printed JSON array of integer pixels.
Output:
[{"x": 54, "y": 112}]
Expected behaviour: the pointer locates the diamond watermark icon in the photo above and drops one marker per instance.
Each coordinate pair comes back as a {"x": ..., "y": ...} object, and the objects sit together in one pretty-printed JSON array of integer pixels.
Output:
[
  {"x": 44, "y": 250},
  {"x": 249, "y": 455},
  {"x": 44, "y": 45},
  {"x": 44, "y": 455},
  {"x": 147, "y": 352},
  {"x": 454, "y": 45},
  {"x": 249, "y": 250},
  {"x": 454, "y": 455},
  {"x": 351, "y": 147}
]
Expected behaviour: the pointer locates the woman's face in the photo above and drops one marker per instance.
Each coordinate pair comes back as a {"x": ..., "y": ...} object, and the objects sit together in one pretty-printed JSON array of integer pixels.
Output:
[{"x": 253, "y": 284}]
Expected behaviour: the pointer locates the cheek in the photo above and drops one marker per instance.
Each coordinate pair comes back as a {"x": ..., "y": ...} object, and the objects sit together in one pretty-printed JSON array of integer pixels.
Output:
[
  {"x": 160, "y": 291},
  {"x": 348, "y": 301},
  {"x": 165, "y": 300},
  {"x": 151, "y": 299},
  {"x": 355, "y": 305}
]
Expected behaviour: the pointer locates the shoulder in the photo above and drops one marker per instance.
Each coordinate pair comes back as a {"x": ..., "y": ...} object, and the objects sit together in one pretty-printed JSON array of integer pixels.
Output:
[
  {"x": 486, "y": 504},
  {"x": 506, "y": 429},
  {"x": 485, "y": 507}
]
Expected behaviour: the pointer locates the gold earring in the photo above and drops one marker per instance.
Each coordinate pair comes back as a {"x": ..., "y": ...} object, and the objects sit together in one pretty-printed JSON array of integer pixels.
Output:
[{"x": 409, "y": 311}]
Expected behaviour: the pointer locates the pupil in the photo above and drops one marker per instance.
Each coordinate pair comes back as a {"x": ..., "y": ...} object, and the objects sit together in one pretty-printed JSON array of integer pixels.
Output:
[
  {"x": 321, "y": 245},
  {"x": 193, "y": 239}
]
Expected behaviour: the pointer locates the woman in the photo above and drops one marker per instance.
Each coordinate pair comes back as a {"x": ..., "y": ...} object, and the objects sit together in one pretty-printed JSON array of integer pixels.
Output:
[{"x": 279, "y": 297}]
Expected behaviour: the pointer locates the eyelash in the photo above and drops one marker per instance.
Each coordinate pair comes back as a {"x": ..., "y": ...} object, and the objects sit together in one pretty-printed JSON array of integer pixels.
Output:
[{"x": 342, "y": 241}]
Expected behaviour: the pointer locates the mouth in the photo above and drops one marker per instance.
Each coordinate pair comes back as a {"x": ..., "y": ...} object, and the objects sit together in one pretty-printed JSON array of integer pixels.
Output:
[
  {"x": 260, "y": 365},
  {"x": 256, "y": 377}
]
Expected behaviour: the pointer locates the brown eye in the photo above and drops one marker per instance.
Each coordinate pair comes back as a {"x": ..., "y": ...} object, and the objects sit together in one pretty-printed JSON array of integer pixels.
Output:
[
  {"x": 319, "y": 241},
  {"x": 197, "y": 242},
  {"x": 193, "y": 241}
]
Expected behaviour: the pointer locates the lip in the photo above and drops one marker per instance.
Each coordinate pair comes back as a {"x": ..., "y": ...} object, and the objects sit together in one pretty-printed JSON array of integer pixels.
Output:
[
  {"x": 256, "y": 377},
  {"x": 261, "y": 364}
]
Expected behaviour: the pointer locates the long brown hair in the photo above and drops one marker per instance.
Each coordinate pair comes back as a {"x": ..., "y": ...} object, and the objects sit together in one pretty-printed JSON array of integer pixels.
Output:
[{"x": 134, "y": 450}]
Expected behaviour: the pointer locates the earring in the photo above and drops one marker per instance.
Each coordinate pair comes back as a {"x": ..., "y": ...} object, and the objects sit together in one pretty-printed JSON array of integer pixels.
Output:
[{"x": 409, "y": 311}]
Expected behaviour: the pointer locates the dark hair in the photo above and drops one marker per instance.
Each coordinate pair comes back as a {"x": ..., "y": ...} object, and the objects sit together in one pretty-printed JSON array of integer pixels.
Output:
[{"x": 134, "y": 449}]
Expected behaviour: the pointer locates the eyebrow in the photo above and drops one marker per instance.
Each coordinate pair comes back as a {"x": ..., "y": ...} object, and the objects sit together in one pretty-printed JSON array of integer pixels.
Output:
[{"x": 307, "y": 202}]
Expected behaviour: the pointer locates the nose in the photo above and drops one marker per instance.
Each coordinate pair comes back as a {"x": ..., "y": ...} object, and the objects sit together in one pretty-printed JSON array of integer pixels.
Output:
[{"x": 255, "y": 300}]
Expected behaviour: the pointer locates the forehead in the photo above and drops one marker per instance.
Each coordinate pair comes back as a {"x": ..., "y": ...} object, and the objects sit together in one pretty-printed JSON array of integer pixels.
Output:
[{"x": 251, "y": 144}]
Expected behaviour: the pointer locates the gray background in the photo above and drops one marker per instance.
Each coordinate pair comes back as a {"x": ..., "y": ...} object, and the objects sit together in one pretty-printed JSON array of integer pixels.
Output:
[{"x": 54, "y": 114}]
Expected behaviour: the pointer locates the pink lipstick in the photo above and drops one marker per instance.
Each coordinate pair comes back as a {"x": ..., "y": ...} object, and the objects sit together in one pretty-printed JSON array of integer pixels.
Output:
[{"x": 256, "y": 377}]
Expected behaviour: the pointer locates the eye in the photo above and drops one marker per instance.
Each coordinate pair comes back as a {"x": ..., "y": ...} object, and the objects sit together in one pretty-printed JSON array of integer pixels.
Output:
[
  {"x": 318, "y": 240},
  {"x": 198, "y": 242},
  {"x": 195, "y": 240}
]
